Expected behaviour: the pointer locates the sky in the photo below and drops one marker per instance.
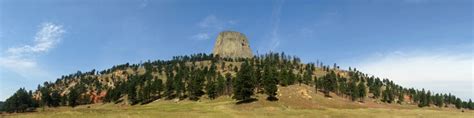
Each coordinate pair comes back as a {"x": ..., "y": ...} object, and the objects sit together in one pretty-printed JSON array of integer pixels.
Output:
[{"x": 416, "y": 43}]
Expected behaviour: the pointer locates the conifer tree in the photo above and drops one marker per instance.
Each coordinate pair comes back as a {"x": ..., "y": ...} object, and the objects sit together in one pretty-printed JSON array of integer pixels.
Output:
[
  {"x": 55, "y": 99},
  {"x": 400, "y": 98},
  {"x": 361, "y": 91},
  {"x": 45, "y": 97},
  {"x": 220, "y": 85},
  {"x": 307, "y": 77},
  {"x": 329, "y": 83},
  {"x": 211, "y": 90},
  {"x": 244, "y": 86},
  {"x": 195, "y": 86},
  {"x": 158, "y": 87},
  {"x": 270, "y": 83},
  {"x": 179, "y": 85},
  {"x": 72, "y": 97},
  {"x": 169, "y": 87},
  {"x": 354, "y": 90},
  {"x": 458, "y": 103},
  {"x": 387, "y": 95},
  {"x": 229, "y": 83},
  {"x": 470, "y": 104},
  {"x": 132, "y": 91}
]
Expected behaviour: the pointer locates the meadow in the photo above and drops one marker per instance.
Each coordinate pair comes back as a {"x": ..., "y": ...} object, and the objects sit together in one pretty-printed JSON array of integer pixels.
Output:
[{"x": 226, "y": 108}]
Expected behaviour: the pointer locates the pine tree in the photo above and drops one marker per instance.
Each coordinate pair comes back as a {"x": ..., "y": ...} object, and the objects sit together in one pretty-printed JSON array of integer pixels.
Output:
[
  {"x": 428, "y": 98},
  {"x": 158, "y": 87},
  {"x": 423, "y": 99},
  {"x": 400, "y": 98},
  {"x": 229, "y": 83},
  {"x": 316, "y": 84},
  {"x": 458, "y": 103},
  {"x": 354, "y": 90},
  {"x": 72, "y": 97},
  {"x": 329, "y": 83},
  {"x": 307, "y": 77},
  {"x": 375, "y": 88},
  {"x": 132, "y": 90},
  {"x": 244, "y": 86},
  {"x": 146, "y": 94},
  {"x": 283, "y": 78},
  {"x": 45, "y": 97},
  {"x": 438, "y": 101},
  {"x": 169, "y": 87},
  {"x": 220, "y": 85},
  {"x": 195, "y": 86},
  {"x": 55, "y": 99},
  {"x": 342, "y": 87},
  {"x": 63, "y": 101},
  {"x": 179, "y": 85},
  {"x": 270, "y": 83},
  {"x": 211, "y": 89},
  {"x": 258, "y": 78},
  {"x": 362, "y": 93},
  {"x": 84, "y": 98},
  {"x": 387, "y": 95},
  {"x": 471, "y": 105}
]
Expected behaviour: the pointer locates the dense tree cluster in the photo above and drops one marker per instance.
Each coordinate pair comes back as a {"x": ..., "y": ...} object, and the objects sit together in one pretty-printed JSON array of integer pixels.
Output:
[
  {"x": 20, "y": 101},
  {"x": 202, "y": 75},
  {"x": 385, "y": 90}
]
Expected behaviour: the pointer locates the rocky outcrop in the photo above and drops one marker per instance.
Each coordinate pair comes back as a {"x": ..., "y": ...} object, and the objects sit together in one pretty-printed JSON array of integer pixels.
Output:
[{"x": 232, "y": 44}]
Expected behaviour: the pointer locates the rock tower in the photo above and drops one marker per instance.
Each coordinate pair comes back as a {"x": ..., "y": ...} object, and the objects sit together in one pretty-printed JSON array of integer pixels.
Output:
[{"x": 232, "y": 44}]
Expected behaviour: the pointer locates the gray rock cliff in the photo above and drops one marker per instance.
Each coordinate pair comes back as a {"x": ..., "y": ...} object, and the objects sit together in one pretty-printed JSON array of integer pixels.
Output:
[{"x": 233, "y": 45}]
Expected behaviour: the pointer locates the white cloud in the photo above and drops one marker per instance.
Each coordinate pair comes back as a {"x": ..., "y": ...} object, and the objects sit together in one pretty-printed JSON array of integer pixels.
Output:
[
  {"x": 27, "y": 68},
  {"x": 440, "y": 71},
  {"x": 17, "y": 64},
  {"x": 201, "y": 36},
  {"x": 211, "y": 21},
  {"x": 21, "y": 59},
  {"x": 212, "y": 24},
  {"x": 48, "y": 36}
]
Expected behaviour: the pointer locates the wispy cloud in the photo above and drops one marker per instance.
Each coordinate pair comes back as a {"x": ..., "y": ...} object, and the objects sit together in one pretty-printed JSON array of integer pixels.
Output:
[
  {"x": 323, "y": 23},
  {"x": 48, "y": 36},
  {"x": 440, "y": 71},
  {"x": 212, "y": 24},
  {"x": 275, "y": 22},
  {"x": 22, "y": 59},
  {"x": 143, "y": 3},
  {"x": 211, "y": 21},
  {"x": 201, "y": 36}
]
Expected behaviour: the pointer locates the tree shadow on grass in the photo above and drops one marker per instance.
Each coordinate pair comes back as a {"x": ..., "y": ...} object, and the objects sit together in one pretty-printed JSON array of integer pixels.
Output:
[
  {"x": 250, "y": 100},
  {"x": 272, "y": 98}
]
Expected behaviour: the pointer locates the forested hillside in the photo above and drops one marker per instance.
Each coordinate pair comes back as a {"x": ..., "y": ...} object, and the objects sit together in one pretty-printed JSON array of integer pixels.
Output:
[{"x": 203, "y": 76}]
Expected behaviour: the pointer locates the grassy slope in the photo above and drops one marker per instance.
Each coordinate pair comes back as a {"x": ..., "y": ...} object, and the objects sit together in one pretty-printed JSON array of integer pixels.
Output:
[{"x": 294, "y": 102}]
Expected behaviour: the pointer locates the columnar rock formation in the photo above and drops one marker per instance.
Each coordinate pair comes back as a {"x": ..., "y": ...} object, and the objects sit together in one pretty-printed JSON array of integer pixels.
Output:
[{"x": 232, "y": 44}]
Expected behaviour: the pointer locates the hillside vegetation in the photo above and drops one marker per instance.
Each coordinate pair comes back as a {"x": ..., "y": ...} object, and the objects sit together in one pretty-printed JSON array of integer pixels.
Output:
[
  {"x": 291, "y": 104},
  {"x": 201, "y": 77}
]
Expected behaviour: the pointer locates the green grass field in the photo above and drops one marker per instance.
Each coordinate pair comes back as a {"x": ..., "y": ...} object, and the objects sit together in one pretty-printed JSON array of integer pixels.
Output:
[{"x": 226, "y": 108}]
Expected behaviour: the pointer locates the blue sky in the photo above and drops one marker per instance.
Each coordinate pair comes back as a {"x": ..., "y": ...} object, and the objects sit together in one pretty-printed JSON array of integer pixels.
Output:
[{"x": 417, "y": 43}]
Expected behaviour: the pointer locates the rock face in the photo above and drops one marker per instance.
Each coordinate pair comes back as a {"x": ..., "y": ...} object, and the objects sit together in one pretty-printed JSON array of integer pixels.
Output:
[{"x": 232, "y": 44}]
